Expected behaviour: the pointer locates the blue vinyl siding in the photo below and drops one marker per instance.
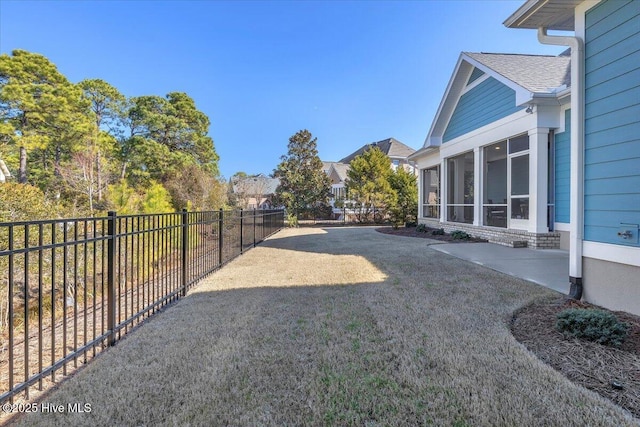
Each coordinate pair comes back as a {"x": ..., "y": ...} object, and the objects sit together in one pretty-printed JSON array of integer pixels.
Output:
[
  {"x": 612, "y": 119},
  {"x": 475, "y": 75},
  {"x": 484, "y": 104},
  {"x": 563, "y": 170}
]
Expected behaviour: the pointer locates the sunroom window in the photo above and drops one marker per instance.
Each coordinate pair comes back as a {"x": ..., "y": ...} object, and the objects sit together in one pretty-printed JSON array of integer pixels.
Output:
[
  {"x": 460, "y": 188},
  {"x": 520, "y": 187},
  {"x": 495, "y": 185},
  {"x": 431, "y": 192}
]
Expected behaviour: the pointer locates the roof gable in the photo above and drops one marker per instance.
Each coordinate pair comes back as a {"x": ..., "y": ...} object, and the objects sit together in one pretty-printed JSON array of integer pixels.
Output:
[
  {"x": 535, "y": 73},
  {"x": 529, "y": 76},
  {"x": 338, "y": 172}
]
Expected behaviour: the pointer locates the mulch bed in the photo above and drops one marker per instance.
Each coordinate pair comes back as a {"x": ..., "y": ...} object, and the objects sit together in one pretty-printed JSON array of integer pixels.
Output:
[
  {"x": 614, "y": 373},
  {"x": 411, "y": 232}
]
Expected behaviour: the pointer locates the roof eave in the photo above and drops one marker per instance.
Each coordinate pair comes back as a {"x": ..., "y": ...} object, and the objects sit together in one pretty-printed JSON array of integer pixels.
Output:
[
  {"x": 551, "y": 14},
  {"x": 422, "y": 152}
]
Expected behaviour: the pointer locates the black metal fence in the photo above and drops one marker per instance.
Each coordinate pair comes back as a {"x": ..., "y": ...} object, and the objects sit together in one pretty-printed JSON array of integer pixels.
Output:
[{"x": 71, "y": 287}]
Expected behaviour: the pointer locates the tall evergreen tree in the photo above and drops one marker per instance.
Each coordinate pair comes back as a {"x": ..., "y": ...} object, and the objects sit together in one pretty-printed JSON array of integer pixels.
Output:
[
  {"x": 368, "y": 184},
  {"x": 42, "y": 114},
  {"x": 303, "y": 183},
  {"x": 178, "y": 126}
]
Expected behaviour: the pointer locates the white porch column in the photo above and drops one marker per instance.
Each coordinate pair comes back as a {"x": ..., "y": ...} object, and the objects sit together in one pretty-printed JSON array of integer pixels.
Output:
[
  {"x": 443, "y": 190},
  {"x": 477, "y": 186},
  {"x": 538, "y": 179}
]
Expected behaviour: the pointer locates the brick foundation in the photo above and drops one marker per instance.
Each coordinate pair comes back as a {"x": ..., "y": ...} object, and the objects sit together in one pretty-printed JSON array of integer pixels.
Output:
[{"x": 501, "y": 236}]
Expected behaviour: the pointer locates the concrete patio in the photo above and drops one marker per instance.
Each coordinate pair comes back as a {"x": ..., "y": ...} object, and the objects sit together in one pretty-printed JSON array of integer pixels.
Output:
[{"x": 546, "y": 267}]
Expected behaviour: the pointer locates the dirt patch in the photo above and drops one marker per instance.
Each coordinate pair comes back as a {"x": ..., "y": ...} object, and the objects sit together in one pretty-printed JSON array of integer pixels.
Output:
[
  {"x": 614, "y": 373},
  {"x": 427, "y": 234}
]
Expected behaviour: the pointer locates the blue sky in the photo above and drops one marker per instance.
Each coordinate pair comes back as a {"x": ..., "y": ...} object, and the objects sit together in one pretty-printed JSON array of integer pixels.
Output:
[{"x": 349, "y": 72}]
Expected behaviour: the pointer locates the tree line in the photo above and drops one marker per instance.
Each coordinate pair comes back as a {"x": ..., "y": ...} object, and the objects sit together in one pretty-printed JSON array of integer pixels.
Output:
[
  {"x": 82, "y": 148},
  {"x": 375, "y": 192}
]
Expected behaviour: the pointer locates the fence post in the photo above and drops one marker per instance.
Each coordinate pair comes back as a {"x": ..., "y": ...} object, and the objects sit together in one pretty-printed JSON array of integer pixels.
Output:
[
  {"x": 185, "y": 244},
  {"x": 241, "y": 233},
  {"x": 111, "y": 277},
  {"x": 255, "y": 216},
  {"x": 220, "y": 239}
]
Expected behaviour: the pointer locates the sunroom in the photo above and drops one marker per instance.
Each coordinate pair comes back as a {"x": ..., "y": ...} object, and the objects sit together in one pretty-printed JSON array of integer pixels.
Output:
[{"x": 488, "y": 165}]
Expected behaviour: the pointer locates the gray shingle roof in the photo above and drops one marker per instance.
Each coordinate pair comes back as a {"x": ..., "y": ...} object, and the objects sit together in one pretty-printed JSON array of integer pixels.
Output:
[
  {"x": 390, "y": 146},
  {"x": 536, "y": 73},
  {"x": 341, "y": 169},
  {"x": 326, "y": 166}
]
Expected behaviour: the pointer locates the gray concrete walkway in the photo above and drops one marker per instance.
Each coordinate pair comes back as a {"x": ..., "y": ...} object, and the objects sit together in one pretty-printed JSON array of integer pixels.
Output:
[{"x": 547, "y": 267}]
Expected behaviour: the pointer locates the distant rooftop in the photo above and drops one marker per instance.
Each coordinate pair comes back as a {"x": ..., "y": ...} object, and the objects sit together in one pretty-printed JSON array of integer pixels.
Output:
[
  {"x": 341, "y": 169},
  {"x": 390, "y": 146}
]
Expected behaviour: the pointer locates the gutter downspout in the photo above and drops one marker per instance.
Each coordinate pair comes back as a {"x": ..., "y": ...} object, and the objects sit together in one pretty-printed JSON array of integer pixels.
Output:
[{"x": 577, "y": 155}]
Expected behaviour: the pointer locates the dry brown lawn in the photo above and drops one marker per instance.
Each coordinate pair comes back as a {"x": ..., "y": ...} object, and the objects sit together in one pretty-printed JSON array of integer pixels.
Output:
[{"x": 342, "y": 326}]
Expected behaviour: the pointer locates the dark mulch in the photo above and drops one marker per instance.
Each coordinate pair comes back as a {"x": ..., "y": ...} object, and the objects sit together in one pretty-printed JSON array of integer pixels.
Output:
[
  {"x": 412, "y": 232},
  {"x": 597, "y": 367}
]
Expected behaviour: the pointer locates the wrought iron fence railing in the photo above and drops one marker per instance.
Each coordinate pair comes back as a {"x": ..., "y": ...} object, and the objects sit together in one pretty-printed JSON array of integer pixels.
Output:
[{"x": 71, "y": 287}]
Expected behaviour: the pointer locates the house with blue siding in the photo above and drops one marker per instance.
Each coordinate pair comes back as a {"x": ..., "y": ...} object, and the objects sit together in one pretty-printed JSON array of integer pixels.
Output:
[
  {"x": 544, "y": 151},
  {"x": 488, "y": 165}
]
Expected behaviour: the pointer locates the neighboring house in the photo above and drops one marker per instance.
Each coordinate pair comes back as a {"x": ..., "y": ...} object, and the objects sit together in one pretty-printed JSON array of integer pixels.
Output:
[
  {"x": 546, "y": 150},
  {"x": 255, "y": 192},
  {"x": 394, "y": 149},
  {"x": 338, "y": 174},
  {"x": 337, "y": 171}
]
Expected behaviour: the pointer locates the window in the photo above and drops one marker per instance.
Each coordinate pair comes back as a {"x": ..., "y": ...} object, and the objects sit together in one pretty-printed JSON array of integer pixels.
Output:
[
  {"x": 460, "y": 188},
  {"x": 506, "y": 183},
  {"x": 431, "y": 192},
  {"x": 520, "y": 187},
  {"x": 519, "y": 158},
  {"x": 338, "y": 193},
  {"x": 518, "y": 144},
  {"x": 494, "y": 207}
]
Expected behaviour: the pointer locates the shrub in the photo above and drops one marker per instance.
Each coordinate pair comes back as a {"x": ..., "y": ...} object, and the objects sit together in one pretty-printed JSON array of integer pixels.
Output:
[
  {"x": 23, "y": 202},
  {"x": 460, "y": 235},
  {"x": 438, "y": 232},
  {"x": 421, "y": 228},
  {"x": 594, "y": 325},
  {"x": 292, "y": 221}
]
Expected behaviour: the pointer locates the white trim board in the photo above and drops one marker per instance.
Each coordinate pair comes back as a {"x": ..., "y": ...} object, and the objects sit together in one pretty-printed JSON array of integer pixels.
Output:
[
  {"x": 614, "y": 253},
  {"x": 475, "y": 83}
]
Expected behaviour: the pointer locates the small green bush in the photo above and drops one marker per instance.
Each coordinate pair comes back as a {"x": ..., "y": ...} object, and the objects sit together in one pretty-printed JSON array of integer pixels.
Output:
[
  {"x": 421, "y": 228},
  {"x": 438, "y": 232},
  {"x": 460, "y": 235},
  {"x": 409, "y": 224},
  {"x": 292, "y": 221},
  {"x": 591, "y": 324}
]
